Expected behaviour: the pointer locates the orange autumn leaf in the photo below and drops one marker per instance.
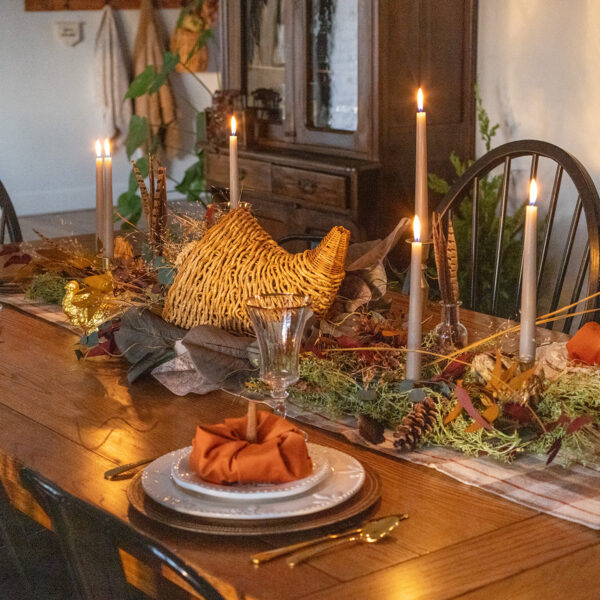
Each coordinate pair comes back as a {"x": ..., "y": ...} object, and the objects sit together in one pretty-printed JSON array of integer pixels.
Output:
[
  {"x": 490, "y": 414},
  {"x": 453, "y": 414},
  {"x": 516, "y": 382}
]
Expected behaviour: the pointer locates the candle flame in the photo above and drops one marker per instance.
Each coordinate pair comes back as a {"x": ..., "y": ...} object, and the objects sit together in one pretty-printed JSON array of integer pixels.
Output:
[
  {"x": 420, "y": 100},
  {"x": 417, "y": 228},
  {"x": 233, "y": 125},
  {"x": 106, "y": 148},
  {"x": 98, "y": 149},
  {"x": 532, "y": 192}
]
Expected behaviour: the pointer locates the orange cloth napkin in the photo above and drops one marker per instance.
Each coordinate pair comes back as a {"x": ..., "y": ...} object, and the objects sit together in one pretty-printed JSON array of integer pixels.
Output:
[
  {"x": 221, "y": 453},
  {"x": 585, "y": 344}
]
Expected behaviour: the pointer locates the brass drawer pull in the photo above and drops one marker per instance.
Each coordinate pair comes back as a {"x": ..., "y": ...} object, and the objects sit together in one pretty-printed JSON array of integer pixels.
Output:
[{"x": 307, "y": 186}]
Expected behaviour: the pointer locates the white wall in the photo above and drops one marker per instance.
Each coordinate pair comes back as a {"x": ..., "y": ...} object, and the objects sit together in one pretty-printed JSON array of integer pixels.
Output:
[
  {"x": 538, "y": 73},
  {"x": 48, "y": 115}
]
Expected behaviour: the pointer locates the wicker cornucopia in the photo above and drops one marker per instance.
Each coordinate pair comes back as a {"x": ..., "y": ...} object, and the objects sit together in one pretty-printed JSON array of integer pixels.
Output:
[{"x": 238, "y": 259}]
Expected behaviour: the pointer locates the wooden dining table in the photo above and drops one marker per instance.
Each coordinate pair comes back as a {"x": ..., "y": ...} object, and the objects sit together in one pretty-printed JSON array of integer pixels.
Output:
[{"x": 71, "y": 420}]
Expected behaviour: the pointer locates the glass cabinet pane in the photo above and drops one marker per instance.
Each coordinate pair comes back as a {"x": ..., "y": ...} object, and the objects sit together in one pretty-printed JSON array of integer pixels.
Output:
[
  {"x": 265, "y": 58},
  {"x": 332, "y": 64}
]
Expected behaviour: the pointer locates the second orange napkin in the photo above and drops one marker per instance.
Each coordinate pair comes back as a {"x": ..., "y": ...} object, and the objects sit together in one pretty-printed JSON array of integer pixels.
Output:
[
  {"x": 585, "y": 344},
  {"x": 221, "y": 453}
]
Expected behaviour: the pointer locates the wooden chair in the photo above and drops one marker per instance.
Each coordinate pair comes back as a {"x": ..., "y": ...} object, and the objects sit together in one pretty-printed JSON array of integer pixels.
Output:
[
  {"x": 570, "y": 190},
  {"x": 91, "y": 538},
  {"x": 8, "y": 218}
]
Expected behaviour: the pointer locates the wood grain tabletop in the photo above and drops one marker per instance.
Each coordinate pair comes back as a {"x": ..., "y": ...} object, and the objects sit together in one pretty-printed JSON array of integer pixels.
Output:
[{"x": 72, "y": 420}]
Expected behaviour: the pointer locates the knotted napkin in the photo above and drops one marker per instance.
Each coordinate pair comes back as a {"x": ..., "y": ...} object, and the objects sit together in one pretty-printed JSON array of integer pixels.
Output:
[
  {"x": 585, "y": 344},
  {"x": 221, "y": 453}
]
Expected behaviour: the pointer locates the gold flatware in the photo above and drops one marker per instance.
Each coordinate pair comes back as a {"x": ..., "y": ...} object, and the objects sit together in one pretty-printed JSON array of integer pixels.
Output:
[
  {"x": 372, "y": 532},
  {"x": 116, "y": 471},
  {"x": 262, "y": 557}
]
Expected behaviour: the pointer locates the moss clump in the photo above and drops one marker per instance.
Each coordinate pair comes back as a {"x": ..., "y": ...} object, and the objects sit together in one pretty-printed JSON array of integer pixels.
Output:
[{"x": 47, "y": 287}]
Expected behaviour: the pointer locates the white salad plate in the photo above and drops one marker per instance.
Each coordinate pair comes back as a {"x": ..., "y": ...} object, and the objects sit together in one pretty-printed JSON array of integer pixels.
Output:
[
  {"x": 186, "y": 478},
  {"x": 345, "y": 478}
]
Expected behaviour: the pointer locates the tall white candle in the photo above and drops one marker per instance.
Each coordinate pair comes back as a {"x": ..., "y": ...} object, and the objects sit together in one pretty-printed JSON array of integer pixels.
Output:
[
  {"x": 415, "y": 307},
  {"x": 421, "y": 197},
  {"x": 108, "y": 203},
  {"x": 99, "y": 197},
  {"x": 528, "y": 288},
  {"x": 234, "y": 178}
]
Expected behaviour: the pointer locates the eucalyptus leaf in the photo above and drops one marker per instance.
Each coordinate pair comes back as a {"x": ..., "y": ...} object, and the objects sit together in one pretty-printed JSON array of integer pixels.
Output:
[{"x": 165, "y": 273}]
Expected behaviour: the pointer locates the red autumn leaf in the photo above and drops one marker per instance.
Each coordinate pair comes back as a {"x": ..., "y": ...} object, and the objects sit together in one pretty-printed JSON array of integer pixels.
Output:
[
  {"x": 8, "y": 249},
  {"x": 560, "y": 421},
  {"x": 345, "y": 341},
  {"x": 553, "y": 451},
  {"x": 465, "y": 401},
  {"x": 18, "y": 259},
  {"x": 517, "y": 412},
  {"x": 456, "y": 367},
  {"x": 578, "y": 423},
  {"x": 209, "y": 213},
  {"x": 107, "y": 348}
]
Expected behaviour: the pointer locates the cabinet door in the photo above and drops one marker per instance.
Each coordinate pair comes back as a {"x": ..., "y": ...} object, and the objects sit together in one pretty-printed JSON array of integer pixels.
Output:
[
  {"x": 267, "y": 66},
  {"x": 333, "y": 54}
]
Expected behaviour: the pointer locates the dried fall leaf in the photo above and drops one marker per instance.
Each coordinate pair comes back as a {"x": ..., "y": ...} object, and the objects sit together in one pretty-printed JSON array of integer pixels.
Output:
[
  {"x": 453, "y": 414},
  {"x": 490, "y": 414},
  {"x": 465, "y": 400}
]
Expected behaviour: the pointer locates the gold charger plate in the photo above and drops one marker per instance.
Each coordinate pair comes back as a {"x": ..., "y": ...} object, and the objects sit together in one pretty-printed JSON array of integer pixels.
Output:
[{"x": 354, "y": 507}]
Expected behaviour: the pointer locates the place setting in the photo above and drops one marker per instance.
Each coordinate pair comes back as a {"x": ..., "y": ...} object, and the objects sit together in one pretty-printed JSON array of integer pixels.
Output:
[{"x": 258, "y": 474}]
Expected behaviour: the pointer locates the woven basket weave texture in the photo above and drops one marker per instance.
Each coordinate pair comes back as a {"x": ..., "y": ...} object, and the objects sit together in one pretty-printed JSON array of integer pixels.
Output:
[{"x": 238, "y": 259}]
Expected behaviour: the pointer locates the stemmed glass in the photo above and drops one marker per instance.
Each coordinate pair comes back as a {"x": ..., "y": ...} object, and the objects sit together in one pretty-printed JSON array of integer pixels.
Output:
[{"x": 278, "y": 321}]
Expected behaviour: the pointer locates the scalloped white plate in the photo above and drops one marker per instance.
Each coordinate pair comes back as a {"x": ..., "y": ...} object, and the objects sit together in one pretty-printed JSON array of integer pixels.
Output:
[
  {"x": 186, "y": 478},
  {"x": 346, "y": 478}
]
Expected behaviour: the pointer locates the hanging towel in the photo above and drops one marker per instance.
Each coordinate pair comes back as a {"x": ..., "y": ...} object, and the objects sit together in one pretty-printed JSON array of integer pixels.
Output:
[
  {"x": 159, "y": 108},
  {"x": 112, "y": 79}
]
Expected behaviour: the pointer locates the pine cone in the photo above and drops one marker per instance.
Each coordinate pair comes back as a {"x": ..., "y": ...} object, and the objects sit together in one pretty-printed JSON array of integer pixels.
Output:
[{"x": 415, "y": 425}]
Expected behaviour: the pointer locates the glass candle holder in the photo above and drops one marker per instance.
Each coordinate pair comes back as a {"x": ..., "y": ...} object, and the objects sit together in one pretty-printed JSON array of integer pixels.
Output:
[{"x": 278, "y": 321}]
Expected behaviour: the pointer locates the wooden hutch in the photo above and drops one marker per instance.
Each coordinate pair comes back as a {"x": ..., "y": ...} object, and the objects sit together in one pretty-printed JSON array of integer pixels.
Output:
[{"x": 332, "y": 85}]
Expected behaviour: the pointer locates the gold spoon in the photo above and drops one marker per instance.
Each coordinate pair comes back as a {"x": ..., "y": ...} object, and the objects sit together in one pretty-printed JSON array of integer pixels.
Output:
[{"x": 372, "y": 532}]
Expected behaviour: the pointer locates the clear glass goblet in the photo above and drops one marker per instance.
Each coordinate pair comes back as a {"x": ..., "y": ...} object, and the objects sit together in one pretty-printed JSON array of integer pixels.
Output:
[{"x": 278, "y": 321}]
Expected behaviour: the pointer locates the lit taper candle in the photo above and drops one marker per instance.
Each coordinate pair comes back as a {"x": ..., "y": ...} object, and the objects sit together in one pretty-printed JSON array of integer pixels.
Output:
[
  {"x": 108, "y": 203},
  {"x": 99, "y": 198},
  {"x": 528, "y": 288},
  {"x": 415, "y": 306},
  {"x": 234, "y": 178},
  {"x": 421, "y": 197}
]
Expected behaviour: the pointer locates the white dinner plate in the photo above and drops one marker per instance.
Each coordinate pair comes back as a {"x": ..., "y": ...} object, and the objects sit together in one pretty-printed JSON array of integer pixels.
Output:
[
  {"x": 186, "y": 478},
  {"x": 345, "y": 479}
]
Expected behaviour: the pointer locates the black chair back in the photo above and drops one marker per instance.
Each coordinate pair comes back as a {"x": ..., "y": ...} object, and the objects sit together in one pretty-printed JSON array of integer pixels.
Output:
[
  {"x": 90, "y": 540},
  {"x": 570, "y": 193},
  {"x": 8, "y": 219}
]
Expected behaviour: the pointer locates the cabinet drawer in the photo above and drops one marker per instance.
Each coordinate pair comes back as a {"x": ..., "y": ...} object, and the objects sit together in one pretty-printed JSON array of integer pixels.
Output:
[
  {"x": 315, "y": 187},
  {"x": 254, "y": 174}
]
